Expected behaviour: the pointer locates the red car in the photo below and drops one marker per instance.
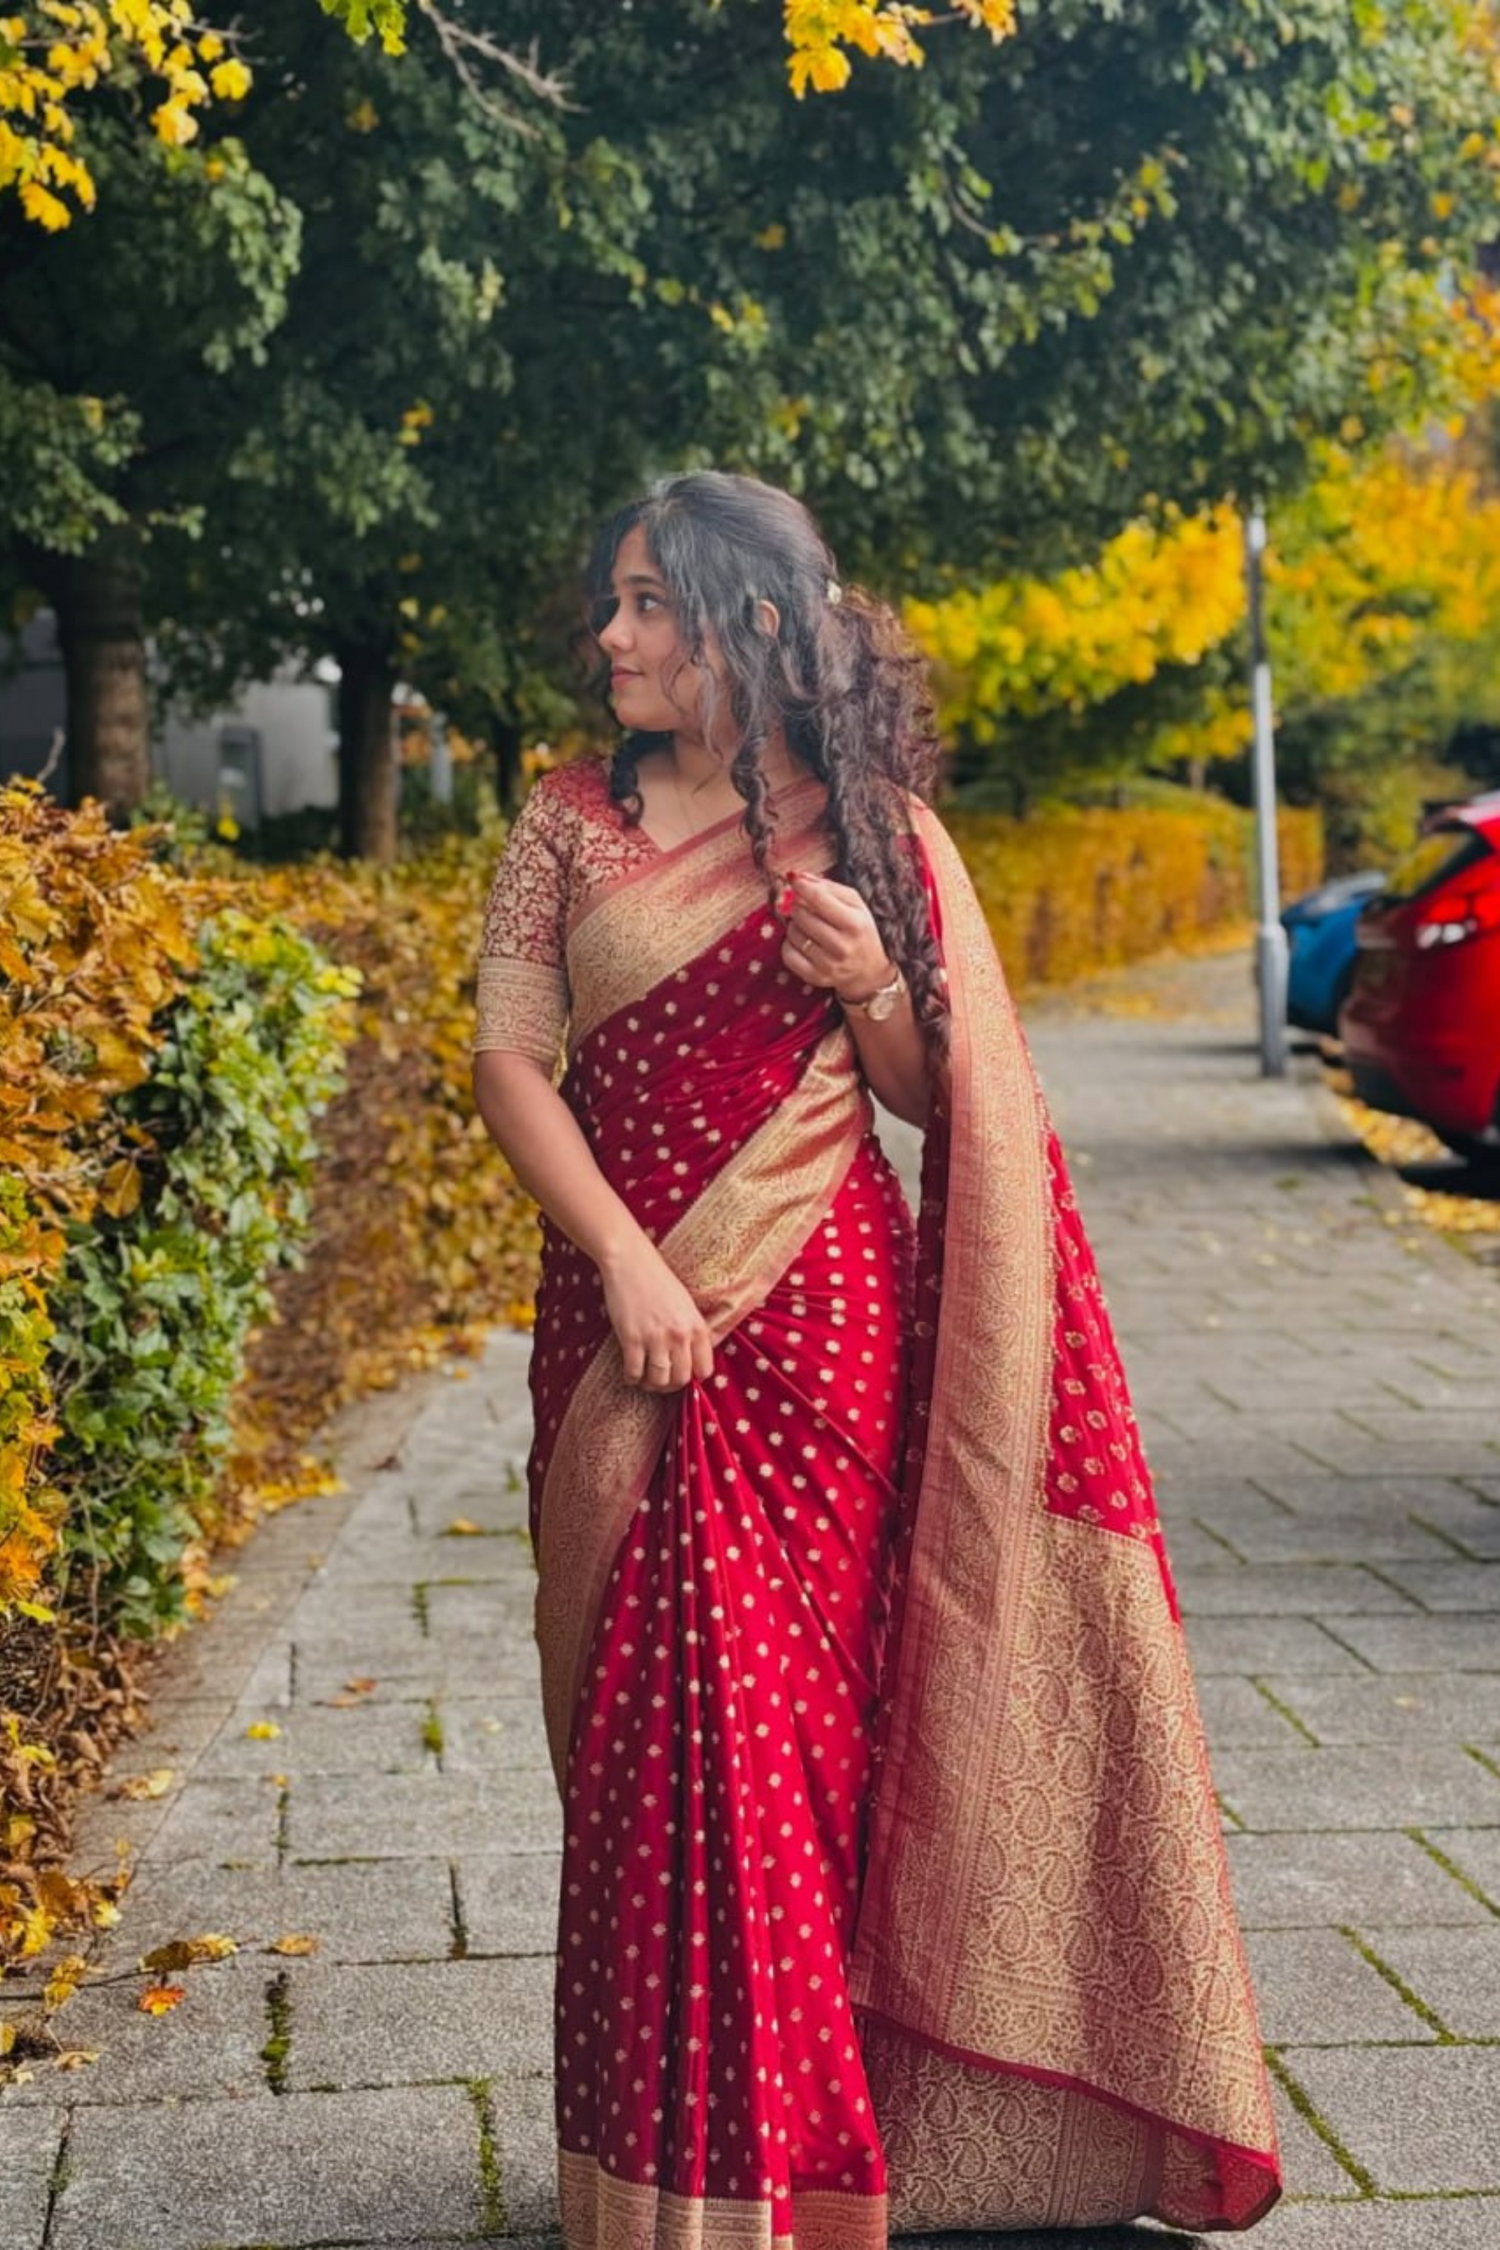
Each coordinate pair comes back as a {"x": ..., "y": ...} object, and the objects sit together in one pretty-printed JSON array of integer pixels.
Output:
[{"x": 1421, "y": 1026}]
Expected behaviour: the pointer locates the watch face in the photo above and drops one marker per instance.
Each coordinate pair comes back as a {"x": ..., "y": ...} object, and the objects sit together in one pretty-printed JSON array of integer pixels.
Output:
[{"x": 882, "y": 1005}]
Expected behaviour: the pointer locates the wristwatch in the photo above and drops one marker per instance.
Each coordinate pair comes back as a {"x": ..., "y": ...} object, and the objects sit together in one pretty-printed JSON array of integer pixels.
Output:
[{"x": 878, "y": 1005}]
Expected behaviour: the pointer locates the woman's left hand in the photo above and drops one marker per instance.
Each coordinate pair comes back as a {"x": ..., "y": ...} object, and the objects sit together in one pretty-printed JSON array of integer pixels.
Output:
[{"x": 831, "y": 938}]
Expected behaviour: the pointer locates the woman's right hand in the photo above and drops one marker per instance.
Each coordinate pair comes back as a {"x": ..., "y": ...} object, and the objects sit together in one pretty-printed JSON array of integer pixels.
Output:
[{"x": 664, "y": 1339}]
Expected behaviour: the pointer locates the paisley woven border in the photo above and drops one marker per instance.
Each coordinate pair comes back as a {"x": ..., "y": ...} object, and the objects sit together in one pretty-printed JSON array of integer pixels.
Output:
[{"x": 1047, "y": 1888}]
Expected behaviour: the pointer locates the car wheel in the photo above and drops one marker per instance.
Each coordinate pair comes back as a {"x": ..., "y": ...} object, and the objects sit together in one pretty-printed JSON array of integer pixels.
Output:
[{"x": 1473, "y": 1147}]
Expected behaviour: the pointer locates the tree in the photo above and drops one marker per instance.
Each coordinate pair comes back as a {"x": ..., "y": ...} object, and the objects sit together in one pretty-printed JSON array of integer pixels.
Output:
[{"x": 984, "y": 313}]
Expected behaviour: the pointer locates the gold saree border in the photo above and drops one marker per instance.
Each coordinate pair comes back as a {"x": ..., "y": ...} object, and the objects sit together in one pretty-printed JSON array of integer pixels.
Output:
[
  {"x": 600, "y": 2211},
  {"x": 1039, "y": 1678},
  {"x": 648, "y": 923}
]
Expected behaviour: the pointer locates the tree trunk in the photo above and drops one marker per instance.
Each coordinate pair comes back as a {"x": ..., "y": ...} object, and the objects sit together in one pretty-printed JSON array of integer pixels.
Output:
[
  {"x": 368, "y": 766},
  {"x": 507, "y": 739},
  {"x": 98, "y": 601}
]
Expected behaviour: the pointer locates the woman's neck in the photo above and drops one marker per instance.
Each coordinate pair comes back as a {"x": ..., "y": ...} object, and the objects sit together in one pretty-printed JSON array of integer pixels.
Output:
[{"x": 698, "y": 767}]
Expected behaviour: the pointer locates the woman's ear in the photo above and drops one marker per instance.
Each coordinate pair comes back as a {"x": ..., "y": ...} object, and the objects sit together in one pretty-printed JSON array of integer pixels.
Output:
[{"x": 768, "y": 617}]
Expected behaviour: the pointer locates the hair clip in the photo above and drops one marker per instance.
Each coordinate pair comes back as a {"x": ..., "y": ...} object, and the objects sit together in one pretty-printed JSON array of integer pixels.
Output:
[{"x": 835, "y": 593}]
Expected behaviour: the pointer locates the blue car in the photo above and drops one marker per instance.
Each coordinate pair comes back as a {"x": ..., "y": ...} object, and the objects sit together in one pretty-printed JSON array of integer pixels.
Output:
[{"x": 1320, "y": 942}]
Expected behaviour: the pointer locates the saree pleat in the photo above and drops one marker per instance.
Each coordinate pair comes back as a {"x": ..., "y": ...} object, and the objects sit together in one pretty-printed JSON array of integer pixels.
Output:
[{"x": 893, "y": 1894}]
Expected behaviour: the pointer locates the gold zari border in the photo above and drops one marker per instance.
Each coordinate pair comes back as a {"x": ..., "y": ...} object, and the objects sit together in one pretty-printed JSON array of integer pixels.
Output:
[{"x": 603, "y": 2212}]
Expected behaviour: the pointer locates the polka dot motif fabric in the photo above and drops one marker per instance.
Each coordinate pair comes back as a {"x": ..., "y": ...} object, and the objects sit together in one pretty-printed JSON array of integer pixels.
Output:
[{"x": 716, "y": 1793}]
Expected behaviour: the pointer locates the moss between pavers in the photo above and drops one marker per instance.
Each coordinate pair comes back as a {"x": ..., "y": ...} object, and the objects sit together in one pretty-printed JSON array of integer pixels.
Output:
[
  {"x": 1284, "y": 1711},
  {"x": 1398, "y": 1984},
  {"x": 1449, "y": 1867},
  {"x": 276, "y": 2052},
  {"x": 1302, "y": 2102},
  {"x": 479, "y": 2090}
]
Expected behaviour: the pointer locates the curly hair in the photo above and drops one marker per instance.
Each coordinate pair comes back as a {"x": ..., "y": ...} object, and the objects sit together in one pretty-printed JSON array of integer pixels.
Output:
[{"x": 840, "y": 676}]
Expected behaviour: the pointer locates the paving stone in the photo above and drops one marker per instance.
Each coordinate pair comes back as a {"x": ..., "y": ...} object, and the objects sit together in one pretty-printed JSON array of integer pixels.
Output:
[
  {"x": 377, "y": 2166},
  {"x": 1456, "y": 1972},
  {"x": 1312, "y": 1986},
  {"x": 523, "y": 2110},
  {"x": 1331, "y": 1536},
  {"x": 177, "y": 1730},
  {"x": 30, "y": 2139},
  {"x": 1438, "y": 2223},
  {"x": 1308, "y": 2164},
  {"x": 1395, "y": 1787},
  {"x": 1424, "y": 1644},
  {"x": 1461, "y": 1586},
  {"x": 400, "y": 2023},
  {"x": 1290, "y": 1589},
  {"x": 314, "y": 1739},
  {"x": 213, "y": 1817},
  {"x": 1236, "y": 1715},
  {"x": 1265, "y": 1645},
  {"x": 493, "y": 1733},
  {"x": 1474, "y": 1531},
  {"x": 365, "y": 1910},
  {"x": 1310, "y": 1881},
  {"x": 1394, "y": 1706},
  {"x": 333, "y": 1815},
  {"x": 474, "y": 1664},
  {"x": 206, "y": 2048},
  {"x": 1421, "y": 2120},
  {"x": 510, "y": 1901},
  {"x": 1476, "y": 1852}
]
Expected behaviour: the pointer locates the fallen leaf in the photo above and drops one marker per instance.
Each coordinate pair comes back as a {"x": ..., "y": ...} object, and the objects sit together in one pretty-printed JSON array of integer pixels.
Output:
[
  {"x": 360, "y": 1686},
  {"x": 158, "y": 1998},
  {"x": 263, "y": 1730},
  {"x": 294, "y": 1942},
  {"x": 147, "y": 1784},
  {"x": 65, "y": 1979},
  {"x": 180, "y": 1953},
  {"x": 73, "y": 2058},
  {"x": 463, "y": 1528}
]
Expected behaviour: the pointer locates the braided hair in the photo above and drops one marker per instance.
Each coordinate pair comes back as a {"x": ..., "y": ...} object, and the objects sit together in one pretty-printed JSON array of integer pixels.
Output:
[{"x": 840, "y": 676}]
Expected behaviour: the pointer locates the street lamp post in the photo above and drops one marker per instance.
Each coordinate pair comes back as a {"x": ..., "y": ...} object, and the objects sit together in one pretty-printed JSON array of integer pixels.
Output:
[{"x": 1270, "y": 937}]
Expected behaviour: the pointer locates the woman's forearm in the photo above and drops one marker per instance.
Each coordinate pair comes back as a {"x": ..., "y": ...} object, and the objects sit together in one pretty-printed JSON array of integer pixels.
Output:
[
  {"x": 541, "y": 1140},
  {"x": 893, "y": 1056}
]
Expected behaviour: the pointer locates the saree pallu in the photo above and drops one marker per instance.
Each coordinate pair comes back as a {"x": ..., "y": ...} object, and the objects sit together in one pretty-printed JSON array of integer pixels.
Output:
[{"x": 893, "y": 1893}]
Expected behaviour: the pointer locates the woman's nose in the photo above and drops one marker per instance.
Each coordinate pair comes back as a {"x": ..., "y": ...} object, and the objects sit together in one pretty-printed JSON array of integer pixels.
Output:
[{"x": 616, "y": 634}]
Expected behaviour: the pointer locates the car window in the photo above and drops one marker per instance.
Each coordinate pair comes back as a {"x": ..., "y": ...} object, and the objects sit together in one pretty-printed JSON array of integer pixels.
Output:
[{"x": 1447, "y": 851}]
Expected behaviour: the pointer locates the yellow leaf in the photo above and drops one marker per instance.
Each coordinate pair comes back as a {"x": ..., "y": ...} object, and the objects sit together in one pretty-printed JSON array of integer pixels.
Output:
[
  {"x": 262, "y": 1730},
  {"x": 230, "y": 81},
  {"x": 294, "y": 1943},
  {"x": 120, "y": 1188},
  {"x": 74, "y": 2058},
  {"x": 44, "y": 208},
  {"x": 143, "y": 1785},
  {"x": 462, "y": 1528}
]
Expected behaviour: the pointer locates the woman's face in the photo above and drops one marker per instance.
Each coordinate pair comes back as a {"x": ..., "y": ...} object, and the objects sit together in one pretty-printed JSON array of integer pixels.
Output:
[{"x": 654, "y": 683}]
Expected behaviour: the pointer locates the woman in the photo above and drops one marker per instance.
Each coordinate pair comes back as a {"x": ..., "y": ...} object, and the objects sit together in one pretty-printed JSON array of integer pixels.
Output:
[{"x": 893, "y": 1894}]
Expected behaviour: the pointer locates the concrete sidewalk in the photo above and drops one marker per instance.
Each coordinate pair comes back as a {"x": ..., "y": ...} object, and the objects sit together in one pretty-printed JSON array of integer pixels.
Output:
[{"x": 1320, "y": 1392}]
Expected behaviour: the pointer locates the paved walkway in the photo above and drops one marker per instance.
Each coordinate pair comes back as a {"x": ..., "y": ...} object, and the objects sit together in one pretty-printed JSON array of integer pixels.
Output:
[{"x": 1321, "y": 1395}]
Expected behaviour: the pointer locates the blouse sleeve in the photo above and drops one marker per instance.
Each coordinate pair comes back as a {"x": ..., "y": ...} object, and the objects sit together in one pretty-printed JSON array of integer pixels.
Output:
[{"x": 521, "y": 999}]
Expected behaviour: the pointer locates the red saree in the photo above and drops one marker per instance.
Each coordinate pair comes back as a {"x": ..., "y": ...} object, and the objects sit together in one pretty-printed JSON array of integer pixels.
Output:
[{"x": 893, "y": 1893}]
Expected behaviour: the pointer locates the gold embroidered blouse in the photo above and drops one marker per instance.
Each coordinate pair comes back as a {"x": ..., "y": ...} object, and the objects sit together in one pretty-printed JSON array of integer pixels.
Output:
[{"x": 568, "y": 837}]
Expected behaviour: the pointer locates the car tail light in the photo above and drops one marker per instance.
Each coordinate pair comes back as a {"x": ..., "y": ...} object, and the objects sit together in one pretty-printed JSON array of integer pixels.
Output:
[{"x": 1455, "y": 921}]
